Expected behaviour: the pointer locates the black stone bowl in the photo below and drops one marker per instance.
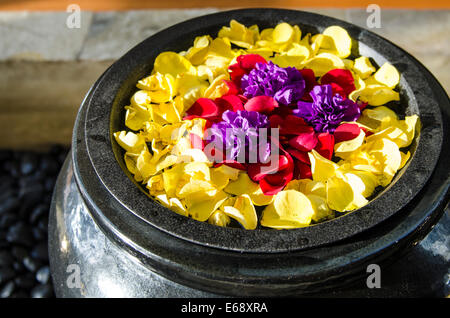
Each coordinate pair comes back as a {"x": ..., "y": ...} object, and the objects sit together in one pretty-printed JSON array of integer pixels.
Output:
[{"x": 263, "y": 261}]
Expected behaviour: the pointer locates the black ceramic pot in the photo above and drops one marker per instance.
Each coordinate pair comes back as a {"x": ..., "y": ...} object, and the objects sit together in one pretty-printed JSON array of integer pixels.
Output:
[{"x": 126, "y": 244}]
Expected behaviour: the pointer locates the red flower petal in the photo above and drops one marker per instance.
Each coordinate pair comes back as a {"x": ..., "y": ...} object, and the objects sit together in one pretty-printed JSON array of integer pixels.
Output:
[
  {"x": 233, "y": 89},
  {"x": 300, "y": 155},
  {"x": 262, "y": 104},
  {"x": 244, "y": 64},
  {"x": 248, "y": 61},
  {"x": 270, "y": 189},
  {"x": 325, "y": 145},
  {"x": 304, "y": 141},
  {"x": 310, "y": 81},
  {"x": 336, "y": 89},
  {"x": 282, "y": 110},
  {"x": 203, "y": 108},
  {"x": 229, "y": 102},
  {"x": 274, "y": 183},
  {"x": 342, "y": 78},
  {"x": 346, "y": 132},
  {"x": 236, "y": 73},
  {"x": 302, "y": 170},
  {"x": 258, "y": 171},
  {"x": 291, "y": 125}
]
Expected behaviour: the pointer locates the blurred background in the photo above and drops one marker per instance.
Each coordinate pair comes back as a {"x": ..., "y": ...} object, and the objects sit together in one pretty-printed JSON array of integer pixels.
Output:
[{"x": 52, "y": 51}]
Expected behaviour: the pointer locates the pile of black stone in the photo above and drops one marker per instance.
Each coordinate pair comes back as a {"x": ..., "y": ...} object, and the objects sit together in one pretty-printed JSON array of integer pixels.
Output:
[{"x": 26, "y": 186}]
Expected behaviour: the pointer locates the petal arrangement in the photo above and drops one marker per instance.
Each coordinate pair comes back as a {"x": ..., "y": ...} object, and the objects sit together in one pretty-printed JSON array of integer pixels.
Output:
[{"x": 266, "y": 128}]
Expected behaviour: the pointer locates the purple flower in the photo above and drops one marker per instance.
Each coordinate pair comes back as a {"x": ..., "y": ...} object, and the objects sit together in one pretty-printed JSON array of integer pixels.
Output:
[
  {"x": 285, "y": 85},
  {"x": 326, "y": 111},
  {"x": 237, "y": 135}
]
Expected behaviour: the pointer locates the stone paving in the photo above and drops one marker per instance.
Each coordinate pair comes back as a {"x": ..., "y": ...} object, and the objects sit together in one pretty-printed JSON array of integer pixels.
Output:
[{"x": 46, "y": 67}]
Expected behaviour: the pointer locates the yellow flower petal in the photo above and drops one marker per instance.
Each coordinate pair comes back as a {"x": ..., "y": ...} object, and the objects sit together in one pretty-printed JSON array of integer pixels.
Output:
[
  {"x": 221, "y": 176},
  {"x": 387, "y": 75},
  {"x": 283, "y": 32},
  {"x": 342, "y": 40},
  {"x": 242, "y": 185},
  {"x": 324, "y": 62},
  {"x": 363, "y": 67},
  {"x": 377, "y": 95},
  {"x": 198, "y": 53},
  {"x": 219, "y": 218},
  {"x": 321, "y": 168},
  {"x": 290, "y": 209},
  {"x": 243, "y": 211},
  {"x": 136, "y": 116},
  {"x": 259, "y": 198},
  {"x": 321, "y": 210},
  {"x": 129, "y": 140},
  {"x": 388, "y": 153},
  {"x": 378, "y": 117},
  {"x": 341, "y": 196},
  {"x": 405, "y": 158},
  {"x": 238, "y": 34},
  {"x": 172, "y": 63},
  {"x": 368, "y": 181},
  {"x": 203, "y": 209},
  {"x": 345, "y": 149}
]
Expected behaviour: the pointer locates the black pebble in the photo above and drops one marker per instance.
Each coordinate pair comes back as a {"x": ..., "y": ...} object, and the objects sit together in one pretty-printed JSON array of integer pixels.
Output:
[
  {"x": 7, "y": 290},
  {"x": 6, "y": 273},
  {"x": 12, "y": 167},
  {"x": 31, "y": 194},
  {"x": 20, "y": 233},
  {"x": 6, "y": 258},
  {"x": 31, "y": 264},
  {"x": 49, "y": 184},
  {"x": 43, "y": 224},
  {"x": 19, "y": 253},
  {"x": 38, "y": 211},
  {"x": 27, "y": 180},
  {"x": 38, "y": 234},
  {"x": 43, "y": 275},
  {"x": 42, "y": 291},
  {"x": 49, "y": 165},
  {"x": 29, "y": 163},
  {"x": 40, "y": 252},
  {"x": 25, "y": 281},
  {"x": 9, "y": 204},
  {"x": 19, "y": 294},
  {"x": 6, "y": 183},
  {"x": 19, "y": 267},
  {"x": 7, "y": 219}
]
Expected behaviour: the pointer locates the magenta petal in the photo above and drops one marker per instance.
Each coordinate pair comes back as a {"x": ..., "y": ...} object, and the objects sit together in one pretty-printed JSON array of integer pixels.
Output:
[
  {"x": 261, "y": 104},
  {"x": 304, "y": 141}
]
